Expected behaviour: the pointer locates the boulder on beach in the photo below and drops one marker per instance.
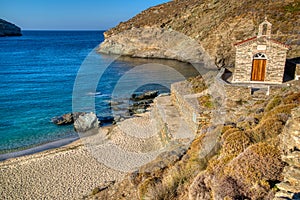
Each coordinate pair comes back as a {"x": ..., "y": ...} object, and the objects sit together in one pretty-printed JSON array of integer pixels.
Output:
[
  {"x": 86, "y": 122},
  {"x": 67, "y": 118}
]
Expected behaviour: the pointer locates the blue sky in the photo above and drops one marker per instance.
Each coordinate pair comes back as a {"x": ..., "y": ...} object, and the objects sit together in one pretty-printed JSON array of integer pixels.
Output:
[{"x": 71, "y": 14}]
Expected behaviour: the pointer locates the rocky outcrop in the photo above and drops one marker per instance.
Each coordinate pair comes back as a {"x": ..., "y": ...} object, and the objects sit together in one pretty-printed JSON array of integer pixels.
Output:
[
  {"x": 67, "y": 118},
  {"x": 9, "y": 29},
  {"x": 213, "y": 24},
  {"x": 151, "y": 42},
  {"x": 290, "y": 187},
  {"x": 145, "y": 95},
  {"x": 86, "y": 122}
]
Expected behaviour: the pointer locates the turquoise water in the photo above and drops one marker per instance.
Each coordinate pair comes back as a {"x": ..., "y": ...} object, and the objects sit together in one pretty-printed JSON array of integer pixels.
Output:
[{"x": 37, "y": 75}]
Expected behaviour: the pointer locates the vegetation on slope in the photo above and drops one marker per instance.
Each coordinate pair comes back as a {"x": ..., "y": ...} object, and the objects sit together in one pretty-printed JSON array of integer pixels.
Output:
[
  {"x": 218, "y": 24},
  {"x": 244, "y": 164}
]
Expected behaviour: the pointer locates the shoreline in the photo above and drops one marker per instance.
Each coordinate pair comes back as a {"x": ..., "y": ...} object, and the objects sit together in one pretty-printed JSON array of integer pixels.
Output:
[
  {"x": 51, "y": 145},
  {"x": 40, "y": 148},
  {"x": 65, "y": 172}
]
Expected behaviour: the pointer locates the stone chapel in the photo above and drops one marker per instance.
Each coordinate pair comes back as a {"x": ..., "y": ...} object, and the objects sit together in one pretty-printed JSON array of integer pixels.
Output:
[{"x": 260, "y": 59}]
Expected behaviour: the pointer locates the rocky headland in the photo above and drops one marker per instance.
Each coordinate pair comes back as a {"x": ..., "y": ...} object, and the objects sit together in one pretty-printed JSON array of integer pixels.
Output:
[
  {"x": 212, "y": 26},
  {"x": 9, "y": 29}
]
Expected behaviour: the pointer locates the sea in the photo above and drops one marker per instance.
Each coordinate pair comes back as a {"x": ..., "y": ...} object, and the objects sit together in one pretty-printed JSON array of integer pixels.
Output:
[{"x": 44, "y": 74}]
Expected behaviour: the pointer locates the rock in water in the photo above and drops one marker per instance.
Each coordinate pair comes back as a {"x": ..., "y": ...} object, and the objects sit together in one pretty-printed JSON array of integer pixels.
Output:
[
  {"x": 86, "y": 122},
  {"x": 67, "y": 118},
  {"x": 145, "y": 95},
  {"x": 9, "y": 29}
]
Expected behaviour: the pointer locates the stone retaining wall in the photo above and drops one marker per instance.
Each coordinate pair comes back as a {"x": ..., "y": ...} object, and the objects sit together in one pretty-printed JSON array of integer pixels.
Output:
[
  {"x": 290, "y": 145},
  {"x": 245, "y": 92},
  {"x": 188, "y": 105}
]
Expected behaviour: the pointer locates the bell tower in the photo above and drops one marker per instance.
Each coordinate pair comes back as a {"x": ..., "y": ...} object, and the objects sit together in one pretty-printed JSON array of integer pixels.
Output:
[{"x": 264, "y": 29}]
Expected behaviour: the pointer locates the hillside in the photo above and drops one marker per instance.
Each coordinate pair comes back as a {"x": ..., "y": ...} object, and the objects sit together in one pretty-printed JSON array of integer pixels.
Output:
[
  {"x": 254, "y": 154},
  {"x": 215, "y": 24},
  {"x": 9, "y": 29}
]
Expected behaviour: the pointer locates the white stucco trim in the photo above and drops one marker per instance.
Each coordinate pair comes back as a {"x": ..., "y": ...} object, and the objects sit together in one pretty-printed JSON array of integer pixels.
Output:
[{"x": 257, "y": 82}]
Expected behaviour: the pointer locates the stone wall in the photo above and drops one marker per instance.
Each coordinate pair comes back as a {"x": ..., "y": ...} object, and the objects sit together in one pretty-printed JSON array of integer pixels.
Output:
[
  {"x": 297, "y": 72},
  {"x": 276, "y": 57},
  {"x": 290, "y": 145},
  {"x": 188, "y": 105}
]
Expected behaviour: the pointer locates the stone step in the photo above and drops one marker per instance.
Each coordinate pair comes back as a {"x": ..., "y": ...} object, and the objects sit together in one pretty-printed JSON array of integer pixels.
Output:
[
  {"x": 281, "y": 198},
  {"x": 176, "y": 127},
  {"x": 285, "y": 186},
  {"x": 258, "y": 98},
  {"x": 283, "y": 195},
  {"x": 292, "y": 175},
  {"x": 292, "y": 158}
]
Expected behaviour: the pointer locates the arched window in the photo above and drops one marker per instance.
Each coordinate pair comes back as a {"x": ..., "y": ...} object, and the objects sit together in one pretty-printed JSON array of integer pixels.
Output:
[{"x": 259, "y": 56}]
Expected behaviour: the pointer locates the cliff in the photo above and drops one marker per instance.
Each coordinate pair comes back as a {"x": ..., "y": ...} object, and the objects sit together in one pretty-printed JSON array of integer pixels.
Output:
[
  {"x": 214, "y": 25},
  {"x": 9, "y": 29}
]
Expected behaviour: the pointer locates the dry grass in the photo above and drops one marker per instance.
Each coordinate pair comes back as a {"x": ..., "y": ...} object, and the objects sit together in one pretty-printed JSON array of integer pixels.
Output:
[
  {"x": 255, "y": 168},
  {"x": 273, "y": 103},
  {"x": 249, "y": 162},
  {"x": 235, "y": 143},
  {"x": 169, "y": 187},
  {"x": 198, "y": 84}
]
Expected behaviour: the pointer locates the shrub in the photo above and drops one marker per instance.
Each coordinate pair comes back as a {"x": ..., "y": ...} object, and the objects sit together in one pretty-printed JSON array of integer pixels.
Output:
[
  {"x": 235, "y": 143},
  {"x": 256, "y": 166},
  {"x": 228, "y": 132},
  {"x": 226, "y": 188},
  {"x": 286, "y": 109},
  {"x": 292, "y": 98},
  {"x": 273, "y": 103},
  {"x": 146, "y": 185},
  {"x": 168, "y": 187},
  {"x": 295, "y": 7},
  {"x": 206, "y": 101},
  {"x": 198, "y": 84},
  {"x": 198, "y": 189},
  {"x": 268, "y": 128}
]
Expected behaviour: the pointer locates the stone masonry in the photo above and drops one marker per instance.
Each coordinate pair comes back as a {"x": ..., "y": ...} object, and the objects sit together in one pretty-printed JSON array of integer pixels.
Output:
[
  {"x": 290, "y": 187},
  {"x": 272, "y": 51}
]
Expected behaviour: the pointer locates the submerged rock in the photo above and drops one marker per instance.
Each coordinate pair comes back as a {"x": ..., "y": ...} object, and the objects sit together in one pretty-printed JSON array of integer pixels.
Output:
[
  {"x": 9, "y": 29},
  {"x": 86, "y": 122}
]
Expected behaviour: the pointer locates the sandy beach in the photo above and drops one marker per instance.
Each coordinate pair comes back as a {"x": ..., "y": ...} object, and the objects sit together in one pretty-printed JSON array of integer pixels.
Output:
[
  {"x": 74, "y": 170},
  {"x": 68, "y": 172}
]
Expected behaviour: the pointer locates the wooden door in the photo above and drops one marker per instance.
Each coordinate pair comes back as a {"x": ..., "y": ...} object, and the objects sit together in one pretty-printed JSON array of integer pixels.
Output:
[{"x": 258, "y": 70}]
